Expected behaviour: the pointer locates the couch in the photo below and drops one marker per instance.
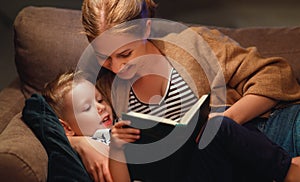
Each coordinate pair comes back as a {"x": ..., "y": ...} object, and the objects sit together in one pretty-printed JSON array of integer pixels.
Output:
[{"x": 48, "y": 41}]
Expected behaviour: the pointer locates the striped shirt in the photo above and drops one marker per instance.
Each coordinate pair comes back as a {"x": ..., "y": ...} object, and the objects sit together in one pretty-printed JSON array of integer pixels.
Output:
[{"x": 177, "y": 100}]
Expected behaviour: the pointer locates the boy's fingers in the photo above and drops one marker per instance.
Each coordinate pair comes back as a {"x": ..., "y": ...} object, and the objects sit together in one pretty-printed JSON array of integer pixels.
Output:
[
  {"x": 120, "y": 130},
  {"x": 106, "y": 174},
  {"x": 126, "y": 137},
  {"x": 132, "y": 131},
  {"x": 95, "y": 176},
  {"x": 122, "y": 123},
  {"x": 101, "y": 177}
]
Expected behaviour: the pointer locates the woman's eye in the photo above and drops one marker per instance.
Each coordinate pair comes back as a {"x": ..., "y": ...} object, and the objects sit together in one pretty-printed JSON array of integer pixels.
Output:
[
  {"x": 100, "y": 101},
  {"x": 125, "y": 55}
]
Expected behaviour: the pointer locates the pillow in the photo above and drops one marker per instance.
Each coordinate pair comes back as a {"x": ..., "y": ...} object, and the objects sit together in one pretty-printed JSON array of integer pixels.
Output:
[
  {"x": 48, "y": 41},
  {"x": 63, "y": 162}
]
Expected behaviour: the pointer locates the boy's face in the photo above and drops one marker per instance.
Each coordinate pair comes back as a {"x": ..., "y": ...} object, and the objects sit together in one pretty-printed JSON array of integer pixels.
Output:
[{"x": 85, "y": 110}]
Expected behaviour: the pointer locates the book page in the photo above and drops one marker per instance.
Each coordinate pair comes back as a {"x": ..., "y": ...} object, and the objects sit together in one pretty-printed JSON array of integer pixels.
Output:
[
  {"x": 151, "y": 117},
  {"x": 193, "y": 110}
]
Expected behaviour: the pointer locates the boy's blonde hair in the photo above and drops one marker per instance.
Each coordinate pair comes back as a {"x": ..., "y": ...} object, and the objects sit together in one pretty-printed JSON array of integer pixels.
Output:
[
  {"x": 101, "y": 15},
  {"x": 55, "y": 91}
]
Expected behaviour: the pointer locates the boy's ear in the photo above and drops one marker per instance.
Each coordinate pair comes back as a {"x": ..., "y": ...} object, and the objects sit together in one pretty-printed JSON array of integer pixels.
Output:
[{"x": 68, "y": 130}]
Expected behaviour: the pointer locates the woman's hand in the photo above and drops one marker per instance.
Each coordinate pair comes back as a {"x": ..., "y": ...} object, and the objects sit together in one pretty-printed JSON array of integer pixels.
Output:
[
  {"x": 94, "y": 156},
  {"x": 122, "y": 134}
]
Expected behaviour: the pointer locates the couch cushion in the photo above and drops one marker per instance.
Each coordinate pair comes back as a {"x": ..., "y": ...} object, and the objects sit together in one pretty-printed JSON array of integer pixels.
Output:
[
  {"x": 11, "y": 102},
  {"x": 15, "y": 140},
  {"x": 47, "y": 41},
  {"x": 271, "y": 41}
]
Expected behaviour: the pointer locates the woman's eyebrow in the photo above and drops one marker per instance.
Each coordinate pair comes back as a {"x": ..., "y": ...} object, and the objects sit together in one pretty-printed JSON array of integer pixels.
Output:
[{"x": 126, "y": 50}]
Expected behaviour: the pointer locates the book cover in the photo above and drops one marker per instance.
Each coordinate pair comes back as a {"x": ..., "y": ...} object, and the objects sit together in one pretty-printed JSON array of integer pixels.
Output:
[
  {"x": 154, "y": 128},
  {"x": 182, "y": 134}
]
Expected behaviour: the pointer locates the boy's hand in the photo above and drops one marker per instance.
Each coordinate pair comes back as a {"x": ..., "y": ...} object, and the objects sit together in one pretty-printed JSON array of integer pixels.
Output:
[
  {"x": 122, "y": 134},
  {"x": 94, "y": 156}
]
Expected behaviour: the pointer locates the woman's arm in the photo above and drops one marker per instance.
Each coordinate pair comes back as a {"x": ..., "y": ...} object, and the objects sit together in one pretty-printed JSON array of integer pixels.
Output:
[
  {"x": 94, "y": 156},
  {"x": 249, "y": 107}
]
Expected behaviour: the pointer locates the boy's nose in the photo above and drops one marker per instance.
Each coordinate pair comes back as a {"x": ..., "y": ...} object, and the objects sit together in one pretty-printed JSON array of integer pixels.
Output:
[{"x": 100, "y": 108}]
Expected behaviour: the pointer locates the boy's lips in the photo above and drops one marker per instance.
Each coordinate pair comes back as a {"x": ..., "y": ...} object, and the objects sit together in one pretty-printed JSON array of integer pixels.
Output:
[
  {"x": 108, "y": 123},
  {"x": 106, "y": 120}
]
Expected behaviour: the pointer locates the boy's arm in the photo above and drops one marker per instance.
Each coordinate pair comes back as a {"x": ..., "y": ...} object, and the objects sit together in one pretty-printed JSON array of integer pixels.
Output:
[
  {"x": 120, "y": 135},
  {"x": 117, "y": 165},
  {"x": 94, "y": 156}
]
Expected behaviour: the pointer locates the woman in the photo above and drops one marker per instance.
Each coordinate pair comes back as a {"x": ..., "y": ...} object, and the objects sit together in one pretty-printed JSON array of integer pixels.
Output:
[{"x": 251, "y": 89}]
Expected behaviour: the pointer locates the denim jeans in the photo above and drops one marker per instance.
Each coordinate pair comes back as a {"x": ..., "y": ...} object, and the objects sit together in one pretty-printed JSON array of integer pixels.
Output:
[{"x": 283, "y": 128}]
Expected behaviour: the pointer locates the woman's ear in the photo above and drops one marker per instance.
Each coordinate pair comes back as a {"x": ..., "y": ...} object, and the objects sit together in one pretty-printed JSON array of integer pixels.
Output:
[
  {"x": 148, "y": 29},
  {"x": 68, "y": 130}
]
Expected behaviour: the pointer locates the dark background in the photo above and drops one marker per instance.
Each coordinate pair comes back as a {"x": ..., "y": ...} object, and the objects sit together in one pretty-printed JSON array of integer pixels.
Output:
[{"x": 227, "y": 13}]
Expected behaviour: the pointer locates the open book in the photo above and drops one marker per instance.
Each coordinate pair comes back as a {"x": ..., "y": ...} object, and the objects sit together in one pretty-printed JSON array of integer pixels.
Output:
[{"x": 154, "y": 128}]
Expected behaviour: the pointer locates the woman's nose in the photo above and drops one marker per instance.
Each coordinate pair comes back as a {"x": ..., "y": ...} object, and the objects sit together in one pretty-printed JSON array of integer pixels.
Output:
[{"x": 117, "y": 66}]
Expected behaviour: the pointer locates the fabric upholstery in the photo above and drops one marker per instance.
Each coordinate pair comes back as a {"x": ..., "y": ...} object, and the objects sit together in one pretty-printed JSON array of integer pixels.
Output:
[
  {"x": 22, "y": 156},
  {"x": 271, "y": 41},
  {"x": 48, "y": 40},
  {"x": 11, "y": 103}
]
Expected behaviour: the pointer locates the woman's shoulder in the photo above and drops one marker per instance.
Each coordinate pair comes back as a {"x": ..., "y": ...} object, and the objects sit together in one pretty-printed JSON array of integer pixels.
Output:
[{"x": 212, "y": 35}]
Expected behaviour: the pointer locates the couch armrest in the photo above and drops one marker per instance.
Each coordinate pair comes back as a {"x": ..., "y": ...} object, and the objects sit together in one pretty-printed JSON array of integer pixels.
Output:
[
  {"x": 22, "y": 156},
  {"x": 12, "y": 102}
]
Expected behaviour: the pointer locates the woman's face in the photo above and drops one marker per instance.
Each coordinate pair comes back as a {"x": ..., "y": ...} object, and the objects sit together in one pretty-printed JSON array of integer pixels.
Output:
[
  {"x": 121, "y": 55},
  {"x": 86, "y": 111}
]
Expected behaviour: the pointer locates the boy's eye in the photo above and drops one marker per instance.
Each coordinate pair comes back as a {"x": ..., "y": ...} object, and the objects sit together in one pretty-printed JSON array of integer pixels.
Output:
[
  {"x": 99, "y": 98},
  {"x": 87, "y": 107}
]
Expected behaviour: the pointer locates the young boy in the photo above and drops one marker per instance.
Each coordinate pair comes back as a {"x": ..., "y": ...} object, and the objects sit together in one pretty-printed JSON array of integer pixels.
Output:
[
  {"x": 81, "y": 108},
  {"x": 70, "y": 105}
]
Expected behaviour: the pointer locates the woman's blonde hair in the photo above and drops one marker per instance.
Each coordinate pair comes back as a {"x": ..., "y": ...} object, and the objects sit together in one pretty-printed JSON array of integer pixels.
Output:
[{"x": 101, "y": 15}]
